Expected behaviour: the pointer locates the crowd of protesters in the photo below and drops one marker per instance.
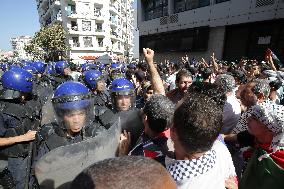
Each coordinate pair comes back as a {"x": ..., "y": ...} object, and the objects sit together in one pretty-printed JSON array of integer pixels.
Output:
[{"x": 201, "y": 124}]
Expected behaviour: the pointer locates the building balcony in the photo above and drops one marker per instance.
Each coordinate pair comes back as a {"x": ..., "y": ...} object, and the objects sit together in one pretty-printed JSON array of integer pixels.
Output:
[
  {"x": 115, "y": 36},
  {"x": 113, "y": 9},
  {"x": 73, "y": 30},
  {"x": 100, "y": 32}
]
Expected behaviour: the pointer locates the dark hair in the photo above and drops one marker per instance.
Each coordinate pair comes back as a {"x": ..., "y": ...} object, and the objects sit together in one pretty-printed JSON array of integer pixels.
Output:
[
  {"x": 198, "y": 120},
  {"x": 133, "y": 172},
  {"x": 128, "y": 74},
  {"x": 140, "y": 75},
  {"x": 193, "y": 70},
  {"x": 159, "y": 111},
  {"x": 177, "y": 66},
  {"x": 209, "y": 89},
  {"x": 206, "y": 73},
  {"x": 239, "y": 76},
  {"x": 182, "y": 73},
  {"x": 143, "y": 66}
]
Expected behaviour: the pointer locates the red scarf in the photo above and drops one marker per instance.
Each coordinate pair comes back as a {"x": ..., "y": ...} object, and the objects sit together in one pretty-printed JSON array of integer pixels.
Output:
[{"x": 278, "y": 156}]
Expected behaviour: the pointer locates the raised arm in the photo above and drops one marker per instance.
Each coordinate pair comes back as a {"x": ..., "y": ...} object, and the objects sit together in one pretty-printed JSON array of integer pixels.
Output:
[{"x": 155, "y": 79}]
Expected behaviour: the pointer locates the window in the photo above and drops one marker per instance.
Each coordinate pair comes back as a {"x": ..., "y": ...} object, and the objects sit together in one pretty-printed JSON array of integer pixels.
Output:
[
  {"x": 74, "y": 26},
  {"x": 155, "y": 9},
  {"x": 179, "y": 6},
  {"x": 71, "y": 9},
  {"x": 194, "y": 39},
  {"x": 99, "y": 27},
  {"x": 100, "y": 42},
  {"x": 184, "y": 5},
  {"x": 86, "y": 26},
  {"x": 88, "y": 41},
  {"x": 220, "y": 1},
  {"x": 97, "y": 11},
  {"x": 112, "y": 45},
  {"x": 75, "y": 41}
]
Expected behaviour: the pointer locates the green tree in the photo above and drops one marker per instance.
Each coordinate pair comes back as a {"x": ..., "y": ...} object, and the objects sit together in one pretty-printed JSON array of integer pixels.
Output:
[{"x": 49, "y": 43}]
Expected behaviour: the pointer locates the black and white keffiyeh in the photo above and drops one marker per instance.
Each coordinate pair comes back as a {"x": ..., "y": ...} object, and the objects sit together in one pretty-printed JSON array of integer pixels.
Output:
[
  {"x": 242, "y": 124},
  {"x": 185, "y": 169},
  {"x": 272, "y": 116}
]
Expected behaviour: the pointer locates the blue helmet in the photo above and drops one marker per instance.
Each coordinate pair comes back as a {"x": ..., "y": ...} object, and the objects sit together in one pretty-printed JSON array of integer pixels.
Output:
[
  {"x": 39, "y": 66},
  {"x": 88, "y": 66},
  {"x": 91, "y": 77},
  {"x": 14, "y": 66},
  {"x": 116, "y": 71},
  {"x": 50, "y": 70},
  {"x": 71, "y": 96},
  {"x": 16, "y": 81},
  {"x": 60, "y": 66},
  {"x": 115, "y": 66},
  {"x": 131, "y": 66},
  {"x": 30, "y": 69},
  {"x": 121, "y": 86},
  {"x": 101, "y": 67}
]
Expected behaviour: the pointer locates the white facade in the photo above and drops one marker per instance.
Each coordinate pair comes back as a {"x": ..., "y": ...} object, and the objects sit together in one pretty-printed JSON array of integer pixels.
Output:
[
  {"x": 216, "y": 14},
  {"x": 95, "y": 27},
  {"x": 18, "y": 44}
]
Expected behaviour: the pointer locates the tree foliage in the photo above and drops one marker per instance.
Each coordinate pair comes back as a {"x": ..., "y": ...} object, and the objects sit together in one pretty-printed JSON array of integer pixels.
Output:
[{"x": 49, "y": 43}]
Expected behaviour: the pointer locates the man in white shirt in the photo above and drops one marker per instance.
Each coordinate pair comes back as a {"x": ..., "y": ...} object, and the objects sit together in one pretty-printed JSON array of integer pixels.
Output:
[{"x": 202, "y": 161}]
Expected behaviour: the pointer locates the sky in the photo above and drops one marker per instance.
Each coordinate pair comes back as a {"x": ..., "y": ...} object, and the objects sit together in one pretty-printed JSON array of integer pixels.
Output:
[{"x": 18, "y": 17}]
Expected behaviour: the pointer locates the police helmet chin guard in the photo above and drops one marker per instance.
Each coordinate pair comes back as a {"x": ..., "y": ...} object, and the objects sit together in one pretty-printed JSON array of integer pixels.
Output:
[
  {"x": 15, "y": 82},
  {"x": 122, "y": 87},
  {"x": 72, "y": 97}
]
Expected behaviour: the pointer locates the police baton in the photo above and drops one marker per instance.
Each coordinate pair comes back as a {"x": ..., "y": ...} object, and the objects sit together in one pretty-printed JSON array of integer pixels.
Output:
[{"x": 30, "y": 157}]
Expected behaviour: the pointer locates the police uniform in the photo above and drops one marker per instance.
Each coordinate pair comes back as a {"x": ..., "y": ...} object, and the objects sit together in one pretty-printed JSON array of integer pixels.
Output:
[
  {"x": 17, "y": 119},
  {"x": 52, "y": 136}
]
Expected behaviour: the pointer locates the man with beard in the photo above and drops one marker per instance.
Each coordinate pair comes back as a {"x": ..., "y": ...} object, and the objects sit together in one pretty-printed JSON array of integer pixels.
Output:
[{"x": 183, "y": 81}]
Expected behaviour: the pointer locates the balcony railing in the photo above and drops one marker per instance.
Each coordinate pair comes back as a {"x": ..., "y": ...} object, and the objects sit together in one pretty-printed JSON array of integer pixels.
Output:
[
  {"x": 100, "y": 30},
  {"x": 88, "y": 45}
]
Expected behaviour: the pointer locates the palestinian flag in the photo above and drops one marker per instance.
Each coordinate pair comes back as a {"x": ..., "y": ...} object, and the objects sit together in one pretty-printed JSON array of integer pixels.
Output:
[{"x": 276, "y": 60}]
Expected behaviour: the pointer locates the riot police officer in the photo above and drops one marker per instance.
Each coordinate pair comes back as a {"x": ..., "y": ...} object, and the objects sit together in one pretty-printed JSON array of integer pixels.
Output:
[
  {"x": 94, "y": 80},
  {"x": 123, "y": 106},
  {"x": 115, "y": 72},
  {"x": 73, "y": 106},
  {"x": 20, "y": 113},
  {"x": 63, "y": 72}
]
